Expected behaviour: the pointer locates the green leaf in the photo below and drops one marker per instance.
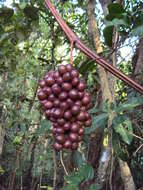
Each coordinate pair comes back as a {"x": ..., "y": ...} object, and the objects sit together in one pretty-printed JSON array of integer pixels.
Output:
[
  {"x": 138, "y": 31},
  {"x": 138, "y": 25},
  {"x": 116, "y": 22},
  {"x": 108, "y": 35},
  {"x": 124, "y": 129},
  {"x": 45, "y": 125},
  {"x": 116, "y": 8},
  {"x": 126, "y": 107},
  {"x": 87, "y": 66},
  {"x": 94, "y": 187},
  {"x": 70, "y": 187},
  {"x": 97, "y": 121},
  {"x": 94, "y": 110},
  {"x": 87, "y": 171},
  {"x": 78, "y": 158},
  {"x": 74, "y": 178},
  {"x": 100, "y": 119}
]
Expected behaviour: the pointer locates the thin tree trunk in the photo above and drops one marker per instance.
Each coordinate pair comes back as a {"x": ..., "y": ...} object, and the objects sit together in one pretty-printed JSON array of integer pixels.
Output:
[
  {"x": 107, "y": 94},
  {"x": 138, "y": 62},
  {"x": 2, "y": 130},
  {"x": 104, "y": 4}
]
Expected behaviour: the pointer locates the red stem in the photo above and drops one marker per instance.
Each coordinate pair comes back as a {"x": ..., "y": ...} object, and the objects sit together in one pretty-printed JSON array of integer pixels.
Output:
[{"x": 78, "y": 44}]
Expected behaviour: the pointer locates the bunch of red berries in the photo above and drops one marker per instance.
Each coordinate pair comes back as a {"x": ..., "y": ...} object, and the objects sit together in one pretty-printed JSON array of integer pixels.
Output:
[{"x": 65, "y": 103}]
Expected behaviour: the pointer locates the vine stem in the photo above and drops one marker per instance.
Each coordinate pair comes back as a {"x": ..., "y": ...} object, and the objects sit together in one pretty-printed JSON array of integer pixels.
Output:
[
  {"x": 71, "y": 53},
  {"x": 62, "y": 162},
  {"x": 99, "y": 60},
  {"x": 55, "y": 169}
]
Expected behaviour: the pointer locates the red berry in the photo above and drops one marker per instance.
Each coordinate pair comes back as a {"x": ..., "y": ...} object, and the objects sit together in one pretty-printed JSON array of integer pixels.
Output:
[
  {"x": 75, "y": 81},
  {"x": 41, "y": 95},
  {"x": 66, "y": 77},
  {"x": 75, "y": 110},
  {"x": 51, "y": 98},
  {"x": 66, "y": 126},
  {"x": 47, "y": 91},
  {"x": 81, "y": 116},
  {"x": 66, "y": 86},
  {"x": 74, "y": 127},
  {"x": 56, "y": 103},
  {"x": 61, "y": 121},
  {"x": 86, "y": 100},
  {"x": 81, "y": 131},
  {"x": 56, "y": 89},
  {"x": 64, "y": 106},
  {"x": 56, "y": 74},
  {"x": 69, "y": 67},
  {"x": 73, "y": 137},
  {"x": 60, "y": 138},
  {"x": 81, "y": 86},
  {"x": 59, "y": 80},
  {"x": 48, "y": 113},
  {"x": 42, "y": 83},
  {"x": 74, "y": 73},
  {"x": 80, "y": 95},
  {"x": 88, "y": 123},
  {"x": 73, "y": 94},
  {"x": 67, "y": 115},
  {"x": 67, "y": 144},
  {"x": 57, "y": 113},
  {"x": 74, "y": 146},
  {"x": 78, "y": 103},
  {"x": 49, "y": 81},
  {"x": 57, "y": 146},
  {"x": 48, "y": 105},
  {"x": 59, "y": 130},
  {"x": 62, "y": 69},
  {"x": 69, "y": 102},
  {"x": 63, "y": 96}
]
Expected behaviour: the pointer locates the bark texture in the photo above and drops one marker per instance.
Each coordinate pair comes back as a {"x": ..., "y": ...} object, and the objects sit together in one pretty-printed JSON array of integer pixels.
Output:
[
  {"x": 108, "y": 93},
  {"x": 138, "y": 62},
  {"x": 126, "y": 176},
  {"x": 2, "y": 130}
]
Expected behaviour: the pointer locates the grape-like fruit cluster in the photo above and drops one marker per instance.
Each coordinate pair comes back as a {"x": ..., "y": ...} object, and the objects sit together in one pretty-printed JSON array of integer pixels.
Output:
[{"x": 65, "y": 103}]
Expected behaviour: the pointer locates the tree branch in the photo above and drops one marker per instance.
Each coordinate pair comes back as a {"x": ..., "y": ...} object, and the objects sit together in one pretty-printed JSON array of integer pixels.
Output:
[{"x": 78, "y": 44}]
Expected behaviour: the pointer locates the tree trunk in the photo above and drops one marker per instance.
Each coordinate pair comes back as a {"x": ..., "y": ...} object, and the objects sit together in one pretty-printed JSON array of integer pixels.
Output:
[
  {"x": 126, "y": 176},
  {"x": 138, "y": 63},
  {"x": 108, "y": 93},
  {"x": 105, "y": 87},
  {"x": 2, "y": 131}
]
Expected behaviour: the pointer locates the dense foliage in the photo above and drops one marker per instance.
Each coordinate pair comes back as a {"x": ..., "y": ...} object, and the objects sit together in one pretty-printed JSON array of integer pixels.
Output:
[{"x": 32, "y": 43}]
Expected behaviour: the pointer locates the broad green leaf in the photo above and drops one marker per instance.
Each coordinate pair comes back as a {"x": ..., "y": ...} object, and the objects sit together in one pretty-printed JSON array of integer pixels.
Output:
[
  {"x": 94, "y": 187},
  {"x": 138, "y": 31},
  {"x": 70, "y": 187},
  {"x": 124, "y": 129},
  {"x": 74, "y": 178},
  {"x": 126, "y": 107},
  {"x": 116, "y": 22},
  {"x": 108, "y": 35},
  {"x": 97, "y": 121},
  {"x": 87, "y": 171},
  {"x": 100, "y": 119},
  {"x": 78, "y": 158},
  {"x": 138, "y": 25},
  {"x": 116, "y": 8}
]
